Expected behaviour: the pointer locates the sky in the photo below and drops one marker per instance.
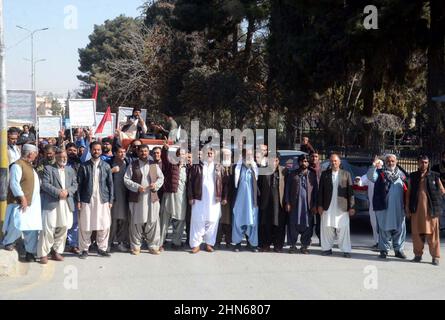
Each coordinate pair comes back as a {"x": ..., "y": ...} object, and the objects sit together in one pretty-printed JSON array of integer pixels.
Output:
[{"x": 70, "y": 22}]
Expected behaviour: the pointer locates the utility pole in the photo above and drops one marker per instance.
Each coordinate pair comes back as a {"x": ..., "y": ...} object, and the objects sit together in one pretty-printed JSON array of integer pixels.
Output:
[
  {"x": 3, "y": 125},
  {"x": 31, "y": 33},
  {"x": 34, "y": 71}
]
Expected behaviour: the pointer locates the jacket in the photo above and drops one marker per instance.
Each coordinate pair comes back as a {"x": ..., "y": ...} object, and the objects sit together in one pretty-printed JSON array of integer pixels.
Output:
[
  {"x": 345, "y": 193},
  {"x": 195, "y": 180},
  {"x": 85, "y": 178},
  {"x": 293, "y": 185},
  {"x": 433, "y": 191},
  {"x": 52, "y": 185},
  {"x": 381, "y": 188},
  {"x": 171, "y": 173},
  {"x": 265, "y": 188}
]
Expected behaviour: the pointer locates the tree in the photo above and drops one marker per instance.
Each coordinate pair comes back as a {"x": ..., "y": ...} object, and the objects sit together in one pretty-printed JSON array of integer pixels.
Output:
[
  {"x": 436, "y": 71},
  {"x": 56, "y": 107},
  {"x": 106, "y": 43},
  {"x": 328, "y": 45}
]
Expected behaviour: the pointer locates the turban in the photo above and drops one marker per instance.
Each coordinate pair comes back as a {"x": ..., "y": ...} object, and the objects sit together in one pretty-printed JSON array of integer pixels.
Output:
[{"x": 29, "y": 148}]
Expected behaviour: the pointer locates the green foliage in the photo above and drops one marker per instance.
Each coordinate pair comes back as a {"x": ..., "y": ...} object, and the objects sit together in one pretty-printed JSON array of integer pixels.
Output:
[
  {"x": 56, "y": 108},
  {"x": 287, "y": 64}
]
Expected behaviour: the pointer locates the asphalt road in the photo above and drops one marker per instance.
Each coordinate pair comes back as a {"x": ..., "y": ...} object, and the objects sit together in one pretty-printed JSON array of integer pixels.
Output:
[{"x": 229, "y": 275}]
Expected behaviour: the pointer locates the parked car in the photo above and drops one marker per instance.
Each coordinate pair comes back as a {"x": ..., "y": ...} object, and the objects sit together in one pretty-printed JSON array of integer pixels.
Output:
[
  {"x": 357, "y": 167},
  {"x": 289, "y": 158}
]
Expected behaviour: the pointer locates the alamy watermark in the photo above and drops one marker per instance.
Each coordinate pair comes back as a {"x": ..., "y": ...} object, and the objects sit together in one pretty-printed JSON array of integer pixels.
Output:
[
  {"x": 71, "y": 279},
  {"x": 71, "y": 17},
  {"x": 371, "y": 21},
  {"x": 371, "y": 280},
  {"x": 243, "y": 145}
]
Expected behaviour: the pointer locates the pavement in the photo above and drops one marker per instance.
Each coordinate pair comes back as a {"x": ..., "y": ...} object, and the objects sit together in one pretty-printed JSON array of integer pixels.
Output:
[
  {"x": 9, "y": 265},
  {"x": 224, "y": 274}
]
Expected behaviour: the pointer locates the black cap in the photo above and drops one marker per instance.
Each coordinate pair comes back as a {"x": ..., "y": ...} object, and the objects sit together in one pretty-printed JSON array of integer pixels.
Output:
[{"x": 302, "y": 157}]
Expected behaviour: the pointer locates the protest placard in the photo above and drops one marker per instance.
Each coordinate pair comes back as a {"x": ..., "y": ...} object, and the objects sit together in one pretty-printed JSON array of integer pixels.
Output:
[
  {"x": 49, "y": 126},
  {"x": 82, "y": 112}
]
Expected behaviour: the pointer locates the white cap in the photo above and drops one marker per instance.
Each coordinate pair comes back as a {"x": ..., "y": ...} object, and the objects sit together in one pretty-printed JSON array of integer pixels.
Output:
[{"x": 29, "y": 148}]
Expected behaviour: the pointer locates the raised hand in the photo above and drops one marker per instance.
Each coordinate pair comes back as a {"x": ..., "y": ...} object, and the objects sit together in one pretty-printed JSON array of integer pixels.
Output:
[{"x": 376, "y": 161}]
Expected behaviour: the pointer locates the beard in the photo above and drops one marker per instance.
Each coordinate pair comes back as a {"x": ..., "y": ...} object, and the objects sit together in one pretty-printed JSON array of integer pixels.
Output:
[{"x": 226, "y": 163}]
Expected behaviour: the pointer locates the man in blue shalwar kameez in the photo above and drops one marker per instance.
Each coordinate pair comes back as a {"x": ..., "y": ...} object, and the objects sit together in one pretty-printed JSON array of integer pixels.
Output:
[
  {"x": 245, "y": 210},
  {"x": 388, "y": 203}
]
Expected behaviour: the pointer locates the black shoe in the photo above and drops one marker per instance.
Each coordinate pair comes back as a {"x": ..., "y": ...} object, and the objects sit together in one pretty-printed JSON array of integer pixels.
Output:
[
  {"x": 293, "y": 249},
  {"x": 30, "y": 257},
  {"x": 83, "y": 255},
  {"x": 304, "y": 250},
  {"x": 326, "y": 253},
  {"x": 9, "y": 247},
  {"x": 237, "y": 247},
  {"x": 383, "y": 254},
  {"x": 103, "y": 253},
  {"x": 346, "y": 255},
  {"x": 435, "y": 262},
  {"x": 121, "y": 248},
  {"x": 400, "y": 254},
  {"x": 417, "y": 259}
]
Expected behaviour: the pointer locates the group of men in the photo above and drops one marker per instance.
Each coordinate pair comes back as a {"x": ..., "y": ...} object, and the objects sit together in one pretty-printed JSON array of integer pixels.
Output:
[{"x": 126, "y": 200}]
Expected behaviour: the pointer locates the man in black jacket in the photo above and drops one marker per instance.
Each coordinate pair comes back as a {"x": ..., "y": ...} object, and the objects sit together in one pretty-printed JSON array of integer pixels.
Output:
[
  {"x": 96, "y": 196},
  {"x": 423, "y": 207},
  {"x": 272, "y": 224},
  {"x": 335, "y": 204},
  {"x": 301, "y": 204}
]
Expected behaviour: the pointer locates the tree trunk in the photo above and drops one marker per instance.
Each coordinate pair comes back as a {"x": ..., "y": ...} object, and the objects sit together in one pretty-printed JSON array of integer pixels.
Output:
[
  {"x": 248, "y": 46},
  {"x": 368, "y": 100},
  {"x": 436, "y": 71},
  {"x": 235, "y": 35}
]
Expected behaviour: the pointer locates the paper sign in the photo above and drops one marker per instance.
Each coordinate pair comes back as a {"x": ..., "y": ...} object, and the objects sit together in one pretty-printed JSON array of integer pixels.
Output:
[
  {"x": 82, "y": 112},
  {"x": 49, "y": 127},
  {"x": 109, "y": 128},
  {"x": 22, "y": 106}
]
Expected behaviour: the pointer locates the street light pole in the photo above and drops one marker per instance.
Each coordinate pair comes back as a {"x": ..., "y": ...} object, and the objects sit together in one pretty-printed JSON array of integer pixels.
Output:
[
  {"x": 34, "y": 69},
  {"x": 3, "y": 125},
  {"x": 32, "y": 52}
]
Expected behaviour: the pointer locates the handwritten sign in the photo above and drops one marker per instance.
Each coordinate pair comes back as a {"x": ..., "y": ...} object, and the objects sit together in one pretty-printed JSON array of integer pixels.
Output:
[
  {"x": 49, "y": 127},
  {"x": 82, "y": 112},
  {"x": 22, "y": 106}
]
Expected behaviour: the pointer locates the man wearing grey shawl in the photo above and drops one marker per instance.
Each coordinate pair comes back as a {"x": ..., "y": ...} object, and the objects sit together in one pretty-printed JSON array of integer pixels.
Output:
[{"x": 388, "y": 204}]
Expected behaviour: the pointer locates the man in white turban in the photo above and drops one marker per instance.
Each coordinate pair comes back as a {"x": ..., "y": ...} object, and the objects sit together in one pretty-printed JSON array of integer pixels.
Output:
[{"x": 23, "y": 214}]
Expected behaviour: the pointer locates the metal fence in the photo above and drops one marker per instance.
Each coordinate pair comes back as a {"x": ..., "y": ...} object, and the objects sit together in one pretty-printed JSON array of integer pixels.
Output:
[{"x": 408, "y": 163}]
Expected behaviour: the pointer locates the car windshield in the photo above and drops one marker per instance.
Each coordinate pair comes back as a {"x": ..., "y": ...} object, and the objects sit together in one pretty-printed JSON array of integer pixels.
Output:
[
  {"x": 357, "y": 169},
  {"x": 289, "y": 161}
]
